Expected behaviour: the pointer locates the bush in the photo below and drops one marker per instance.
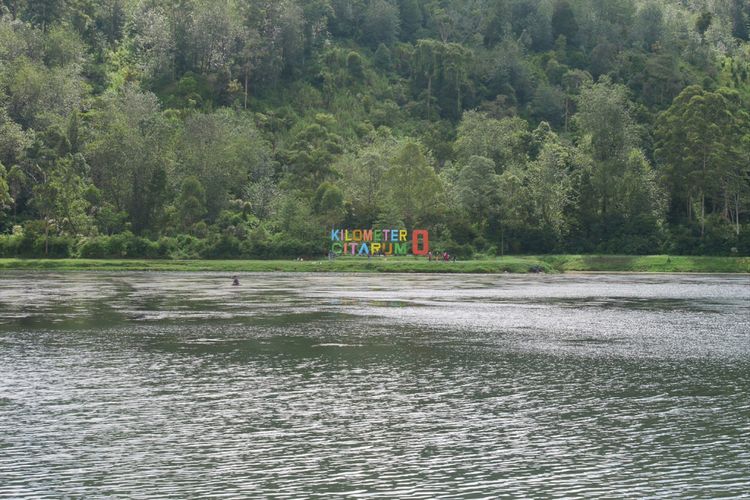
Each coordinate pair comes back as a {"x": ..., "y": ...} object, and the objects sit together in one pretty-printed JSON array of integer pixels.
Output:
[
  {"x": 282, "y": 246},
  {"x": 137, "y": 247},
  {"x": 93, "y": 248},
  {"x": 58, "y": 247},
  {"x": 463, "y": 252},
  {"x": 224, "y": 247},
  {"x": 9, "y": 245},
  {"x": 125, "y": 245},
  {"x": 189, "y": 247},
  {"x": 165, "y": 247}
]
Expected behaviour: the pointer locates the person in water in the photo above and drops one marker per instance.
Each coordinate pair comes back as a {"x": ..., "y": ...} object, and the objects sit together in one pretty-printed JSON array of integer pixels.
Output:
[{"x": 235, "y": 281}]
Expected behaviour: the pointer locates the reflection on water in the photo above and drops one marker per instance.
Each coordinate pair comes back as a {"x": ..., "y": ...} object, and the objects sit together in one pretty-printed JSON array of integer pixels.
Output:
[{"x": 146, "y": 384}]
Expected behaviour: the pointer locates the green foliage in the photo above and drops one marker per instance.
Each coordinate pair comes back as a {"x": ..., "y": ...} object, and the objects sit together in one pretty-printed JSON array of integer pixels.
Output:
[
  {"x": 219, "y": 129},
  {"x": 5, "y": 198},
  {"x": 702, "y": 139},
  {"x": 411, "y": 188},
  {"x": 504, "y": 141},
  {"x": 381, "y": 22},
  {"x": 478, "y": 187},
  {"x": 191, "y": 202},
  {"x": 564, "y": 22}
]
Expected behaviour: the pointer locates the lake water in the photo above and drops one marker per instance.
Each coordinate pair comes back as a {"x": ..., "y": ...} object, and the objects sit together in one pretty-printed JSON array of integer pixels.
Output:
[{"x": 301, "y": 385}]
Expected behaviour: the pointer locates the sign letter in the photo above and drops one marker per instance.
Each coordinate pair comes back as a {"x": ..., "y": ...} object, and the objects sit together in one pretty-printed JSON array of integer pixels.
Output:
[{"x": 415, "y": 243}]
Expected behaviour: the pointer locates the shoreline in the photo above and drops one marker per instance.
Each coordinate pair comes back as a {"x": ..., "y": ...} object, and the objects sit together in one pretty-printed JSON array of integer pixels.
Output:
[{"x": 549, "y": 264}]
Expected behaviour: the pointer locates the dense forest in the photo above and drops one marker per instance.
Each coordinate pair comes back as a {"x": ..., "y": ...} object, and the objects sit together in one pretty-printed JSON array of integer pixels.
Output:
[{"x": 245, "y": 128}]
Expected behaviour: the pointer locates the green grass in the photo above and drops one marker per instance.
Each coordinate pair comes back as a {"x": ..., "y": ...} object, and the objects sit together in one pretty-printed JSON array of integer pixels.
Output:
[
  {"x": 511, "y": 264},
  {"x": 342, "y": 264},
  {"x": 648, "y": 263}
]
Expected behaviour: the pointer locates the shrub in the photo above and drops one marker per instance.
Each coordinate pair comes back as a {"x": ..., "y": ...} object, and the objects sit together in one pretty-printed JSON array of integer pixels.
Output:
[
  {"x": 189, "y": 247},
  {"x": 9, "y": 245},
  {"x": 58, "y": 247},
  {"x": 165, "y": 247},
  {"x": 460, "y": 251},
  {"x": 224, "y": 247},
  {"x": 93, "y": 248}
]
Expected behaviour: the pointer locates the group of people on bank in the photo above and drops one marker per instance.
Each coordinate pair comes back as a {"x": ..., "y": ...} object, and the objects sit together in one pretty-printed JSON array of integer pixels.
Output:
[{"x": 437, "y": 257}]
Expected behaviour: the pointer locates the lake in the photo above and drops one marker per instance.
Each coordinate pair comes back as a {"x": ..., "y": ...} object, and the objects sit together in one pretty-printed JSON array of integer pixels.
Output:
[{"x": 354, "y": 385}]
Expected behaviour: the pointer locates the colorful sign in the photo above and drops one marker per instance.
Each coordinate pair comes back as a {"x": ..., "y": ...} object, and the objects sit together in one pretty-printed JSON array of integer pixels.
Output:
[{"x": 379, "y": 242}]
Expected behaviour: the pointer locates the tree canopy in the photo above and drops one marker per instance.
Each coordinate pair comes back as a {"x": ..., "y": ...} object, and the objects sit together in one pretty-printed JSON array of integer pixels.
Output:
[{"x": 228, "y": 128}]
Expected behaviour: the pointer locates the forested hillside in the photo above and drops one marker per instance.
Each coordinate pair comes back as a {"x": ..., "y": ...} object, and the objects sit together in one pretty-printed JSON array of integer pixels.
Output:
[{"x": 245, "y": 128}]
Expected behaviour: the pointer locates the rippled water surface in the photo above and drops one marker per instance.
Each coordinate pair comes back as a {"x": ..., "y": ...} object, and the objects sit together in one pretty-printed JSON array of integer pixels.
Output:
[{"x": 297, "y": 386}]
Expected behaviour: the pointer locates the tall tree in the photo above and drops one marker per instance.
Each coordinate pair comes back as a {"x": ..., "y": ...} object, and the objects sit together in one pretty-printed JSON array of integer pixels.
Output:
[
  {"x": 503, "y": 141},
  {"x": 381, "y": 23},
  {"x": 130, "y": 152},
  {"x": 411, "y": 186},
  {"x": 698, "y": 139},
  {"x": 564, "y": 21},
  {"x": 442, "y": 70},
  {"x": 478, "y": 188},
  {"x": 5, "y": 198},
  {"x": 411, "y": 19}
]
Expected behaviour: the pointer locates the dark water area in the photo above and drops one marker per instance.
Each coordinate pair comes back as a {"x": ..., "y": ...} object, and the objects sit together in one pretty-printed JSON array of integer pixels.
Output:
[{"x": 419, "y": 386}]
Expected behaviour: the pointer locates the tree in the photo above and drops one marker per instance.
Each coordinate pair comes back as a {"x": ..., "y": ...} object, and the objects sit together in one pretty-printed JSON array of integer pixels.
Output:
[
  {"x": 572, "y": 82},
  {"x": 191, "y": 204},
  {"x": 130, "y": 152},
  {"x": 14, "y": 140},
  {"x": 69, "y": 207},
  {"x": 17, "y": 184},
  {"x": 549, "y": 184},
  {"x": 362, "y": 177},
  {"x": 604, "y": 115},
  {"x": 382, "y": 57},
  {"x": 504, "y": 141},
  {"x": 427, "y": 64},
  {"x": 273, "y": 40},
  {"x": 740, "y": 20},
  {"x": 37, "y": 93},
  {"x": 411, "y": 19},
  {"x": 63, "y": 47},
  {"x": 347, "y": 16},
  {"x": 564, "y": 21},
  {"x": 262, "y": 195},
  {"x": 381, "y": 23},
  {"x": 478, "y": 188},
  {"x": 313, "y": 151},
  {"x": 411, "y": 187},
  {"x": 224, "y": 151},
  {"x": 5, "y": 198},
  {"x": 442, "y": 68},
  {"x": 214, "y": 34},
  {"x": 649, "y": 26},
  {"x": 703, "y": 22},
  {"x": 154, "y": 42},
  {"x": 611, "y": 188},
  {"x": 548, "y": 105},
  {"x": 43, "y": 13},
  {"x": 110, "y": 18},
  {"x": 329, "y": 203},
  {"x": 699, "y": 139}
]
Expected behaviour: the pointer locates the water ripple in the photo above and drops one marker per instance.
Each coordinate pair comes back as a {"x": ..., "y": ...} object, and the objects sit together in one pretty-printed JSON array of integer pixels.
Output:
[{"x": 299, "y": 386}]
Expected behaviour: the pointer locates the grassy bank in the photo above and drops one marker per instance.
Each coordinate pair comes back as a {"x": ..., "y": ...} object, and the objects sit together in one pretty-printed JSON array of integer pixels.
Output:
[
  {"x": 512, "y": 264},
  {"x": 647, "y": 263},
  {"x": 392, "y": 265}
]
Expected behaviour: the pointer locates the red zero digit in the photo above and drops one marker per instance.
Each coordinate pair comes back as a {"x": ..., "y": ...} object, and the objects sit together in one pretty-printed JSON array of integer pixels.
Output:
[{"x": 415, "y": 242}]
